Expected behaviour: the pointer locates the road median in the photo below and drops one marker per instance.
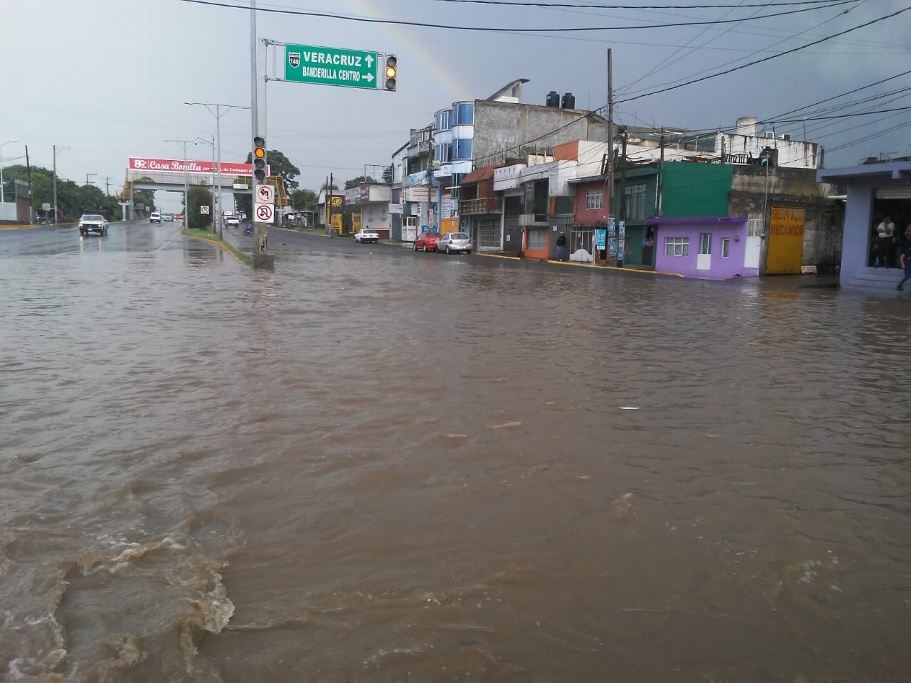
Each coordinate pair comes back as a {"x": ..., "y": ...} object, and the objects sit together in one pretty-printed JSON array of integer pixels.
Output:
[{"x": 206, "y": 236}]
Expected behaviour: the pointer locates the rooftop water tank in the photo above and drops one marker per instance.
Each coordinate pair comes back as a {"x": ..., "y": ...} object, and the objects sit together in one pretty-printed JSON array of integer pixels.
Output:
[
  {"x": 553, "y": 99},
  {"x": 569, "y": 101}
]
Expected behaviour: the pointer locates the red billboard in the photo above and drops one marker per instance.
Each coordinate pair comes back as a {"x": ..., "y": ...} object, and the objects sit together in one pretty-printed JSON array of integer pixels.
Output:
[{"x": 179, "y": 166}]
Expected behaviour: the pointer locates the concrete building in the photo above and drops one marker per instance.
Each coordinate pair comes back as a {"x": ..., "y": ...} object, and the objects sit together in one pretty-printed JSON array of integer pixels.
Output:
[
  {"x": 872, "y": 192},
  {"x": 369, "y": 203}
]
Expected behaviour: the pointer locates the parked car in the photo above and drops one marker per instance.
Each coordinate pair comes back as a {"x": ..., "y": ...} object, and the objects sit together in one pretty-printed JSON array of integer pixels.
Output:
[
  {"x": 426, "y": 241},
  {"x": 93, "y": 222},
  {"x": 155, "y": 217},
  {"x": 454, "y": 243},
  {"x": 366, "y": 235}
]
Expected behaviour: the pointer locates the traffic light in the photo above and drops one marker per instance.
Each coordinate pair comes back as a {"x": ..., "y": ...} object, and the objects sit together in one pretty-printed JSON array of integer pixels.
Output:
[
  {"x": 259, "y": 159},
  {"x": 391, "y": 72}
]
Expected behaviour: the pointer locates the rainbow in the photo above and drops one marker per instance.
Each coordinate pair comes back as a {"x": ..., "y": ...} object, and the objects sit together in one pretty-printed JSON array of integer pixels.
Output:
[{"x": 416, "y": 52}]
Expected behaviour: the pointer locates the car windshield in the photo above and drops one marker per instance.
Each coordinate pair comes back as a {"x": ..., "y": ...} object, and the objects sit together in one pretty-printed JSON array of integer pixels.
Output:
[
  {"x": 92, "y": 217},
  {"x": 459, "y": 236}
]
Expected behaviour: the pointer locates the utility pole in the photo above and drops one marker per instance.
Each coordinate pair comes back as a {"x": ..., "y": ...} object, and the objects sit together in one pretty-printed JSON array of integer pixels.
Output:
[
  {"x": 186, "y": 178},
  {"x": 55, "y": 183},
  {"x": 107, "y": 186},
  {"x": 610, "y": 144},
  {"x": 28, "y": 172},
  {"x": 217, "y": 219},
  {"x": 660, "y": 202},
  {"x": 88, "y": 176}
]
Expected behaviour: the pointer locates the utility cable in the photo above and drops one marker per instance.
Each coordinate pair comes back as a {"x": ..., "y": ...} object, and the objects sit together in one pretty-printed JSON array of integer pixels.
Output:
[{"x": 501, "y": 29}]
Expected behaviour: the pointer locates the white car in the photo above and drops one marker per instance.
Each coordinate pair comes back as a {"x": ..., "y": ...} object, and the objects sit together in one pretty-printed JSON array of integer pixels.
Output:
[
  {"x": 232, "y": 219},
  {"x": 454, "y": 242},
  {"x": 366, "y": 235},
  {"x": 93, "y": 222},
  {"x": 155, "y": 217}
]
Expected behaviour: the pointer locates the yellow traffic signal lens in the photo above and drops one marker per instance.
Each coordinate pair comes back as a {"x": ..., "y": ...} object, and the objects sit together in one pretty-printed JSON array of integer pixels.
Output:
[
  {"x": 390, "y": 72},
  {"x": 259, "y": 152}
]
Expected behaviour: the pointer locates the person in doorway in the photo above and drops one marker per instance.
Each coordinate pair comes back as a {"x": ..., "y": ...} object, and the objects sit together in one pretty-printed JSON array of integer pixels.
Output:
[
  {"x": 885, "y": 254},
  {"x": 561, "y": 247},
  {"x": 905, "y": 262}
]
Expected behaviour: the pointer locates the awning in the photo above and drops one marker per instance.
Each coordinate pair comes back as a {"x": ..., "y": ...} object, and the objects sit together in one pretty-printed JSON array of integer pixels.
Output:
[{"x": 477, "y": 175}]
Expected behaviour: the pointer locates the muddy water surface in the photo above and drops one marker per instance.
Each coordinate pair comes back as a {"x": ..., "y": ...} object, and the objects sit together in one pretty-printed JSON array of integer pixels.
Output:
[{"x": 373, "y": 465}]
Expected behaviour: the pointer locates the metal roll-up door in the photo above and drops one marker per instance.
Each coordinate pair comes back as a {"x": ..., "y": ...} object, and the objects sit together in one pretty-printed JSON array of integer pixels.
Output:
[{"x": 894, "y": 193}]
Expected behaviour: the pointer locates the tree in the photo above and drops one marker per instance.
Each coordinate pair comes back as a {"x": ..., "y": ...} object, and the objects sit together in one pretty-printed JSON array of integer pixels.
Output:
[
  {"x": 305, "y": 200},
  {"x": 360, "y": 180},
  {"x": 279, "y": 164},
  {"x": 327, "y": 186},
  {"x": 199, "y": 195}
]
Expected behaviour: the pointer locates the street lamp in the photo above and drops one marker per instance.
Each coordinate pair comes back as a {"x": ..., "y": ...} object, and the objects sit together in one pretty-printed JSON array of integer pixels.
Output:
[
  {"x": 186, "y": 178},
  {"x": 8, "y": 142},
  {"x": 217, "y": 114}
]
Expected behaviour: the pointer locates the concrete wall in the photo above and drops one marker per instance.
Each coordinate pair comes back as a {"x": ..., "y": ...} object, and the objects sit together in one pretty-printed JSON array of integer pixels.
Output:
[
  {"x": 796, "y": 188},
  {"x": 502, "y": 128}
]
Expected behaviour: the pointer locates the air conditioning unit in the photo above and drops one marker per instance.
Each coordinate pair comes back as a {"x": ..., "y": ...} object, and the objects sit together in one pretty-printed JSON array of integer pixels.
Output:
[{"x": 770, "y": 134}]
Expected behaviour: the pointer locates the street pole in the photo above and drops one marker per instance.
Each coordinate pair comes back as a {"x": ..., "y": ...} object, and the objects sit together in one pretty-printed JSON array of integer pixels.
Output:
[
  {"x": 218, "y": 113},
  {"x": 260, "y": 229},
  {"x": 55, "y": 183},
  {"x": 8, "y": 142},
  {"x": 186, "y": 179}
]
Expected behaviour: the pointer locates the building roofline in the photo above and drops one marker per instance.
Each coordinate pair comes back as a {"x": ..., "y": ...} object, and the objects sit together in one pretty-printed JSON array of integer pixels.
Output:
[{"x": 897, "y": 169}]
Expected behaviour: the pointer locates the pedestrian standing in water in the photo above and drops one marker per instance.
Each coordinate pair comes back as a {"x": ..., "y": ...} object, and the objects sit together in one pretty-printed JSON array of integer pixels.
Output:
[
  {"x": 885, "y": 231},
  {"x": 561, "y": 247},
  {"x": 905, "y": 262}
]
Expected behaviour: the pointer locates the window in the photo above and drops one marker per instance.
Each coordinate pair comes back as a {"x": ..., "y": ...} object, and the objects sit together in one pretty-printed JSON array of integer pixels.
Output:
[
  {"x": 755, "y": 226},
  {"x": 461, "y": 149},
  {"x": 705, "y": 243},
  {"x": 677, "y": 246},
  {"x": 463, "y": 114},
  {"x": 725, "y": 247},
  {"x": 537, "y": 239},
  {"x": 441, "y": 120},
  {"x": 512, "y": 206},
  {"x": 563, "y": 206},
  {"x": 442, "y": 153},
  {"x": 634, "y": 201},
  {"x": 594, "y": 199}
]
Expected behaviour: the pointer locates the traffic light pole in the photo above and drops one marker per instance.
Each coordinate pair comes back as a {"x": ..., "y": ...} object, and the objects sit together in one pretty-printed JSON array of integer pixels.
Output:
[{"x": 261, "y": 259}]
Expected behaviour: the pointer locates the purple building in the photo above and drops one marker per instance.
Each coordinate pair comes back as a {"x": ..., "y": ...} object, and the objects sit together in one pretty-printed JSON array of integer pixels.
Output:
[{"x": 705, "y": 247}]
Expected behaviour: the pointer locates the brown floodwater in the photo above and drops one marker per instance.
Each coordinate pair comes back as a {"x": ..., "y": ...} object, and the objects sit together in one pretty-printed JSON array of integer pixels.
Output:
[{"x": 374, "y": 465}]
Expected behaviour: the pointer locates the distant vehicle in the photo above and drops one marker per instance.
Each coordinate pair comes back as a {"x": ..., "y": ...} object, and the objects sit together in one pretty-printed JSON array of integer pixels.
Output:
[
  {"x": 454, "y": 243},
  {"x": 93, "y": 222},
  {"x": 366, "y": 235},
  {"x": 167, "y": 217},
  {"x": 155, "y": 217},
  {"x": 426, "y": 241},
  {"x": 232, "y": 219},
  {"x": 178, "y": 217}
]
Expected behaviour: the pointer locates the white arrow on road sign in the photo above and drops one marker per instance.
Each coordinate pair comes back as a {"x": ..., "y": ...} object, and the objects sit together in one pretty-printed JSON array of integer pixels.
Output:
[
  {"x": 264, "y": 212},
  {"x": 265, "y": 194}
]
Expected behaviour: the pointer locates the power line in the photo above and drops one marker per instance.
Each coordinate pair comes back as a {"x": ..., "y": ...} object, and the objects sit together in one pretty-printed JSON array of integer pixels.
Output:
[
  {"x": 506, "y": 3},
  {"x": 837, "y": 116},
  {"x": 501, "y": 29},
  {"x": 765, "y": 59}
]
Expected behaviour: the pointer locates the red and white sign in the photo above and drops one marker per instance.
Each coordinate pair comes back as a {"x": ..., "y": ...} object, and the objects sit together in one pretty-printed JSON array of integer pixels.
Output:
[
  {"x": 178, "y": 166},
  {"x": 265, "y": 194},
  {"x": 264, "y": 212}
]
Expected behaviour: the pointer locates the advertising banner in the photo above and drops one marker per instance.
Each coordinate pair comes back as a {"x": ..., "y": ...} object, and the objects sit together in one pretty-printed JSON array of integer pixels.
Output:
[{"x": 149, "y": 164}]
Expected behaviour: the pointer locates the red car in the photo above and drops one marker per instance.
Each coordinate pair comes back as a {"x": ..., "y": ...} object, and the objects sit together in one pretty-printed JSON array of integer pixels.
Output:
[{"x": 426, "y": 241}]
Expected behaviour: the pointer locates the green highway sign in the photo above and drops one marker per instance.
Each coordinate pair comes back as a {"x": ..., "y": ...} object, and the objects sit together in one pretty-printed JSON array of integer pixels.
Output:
[{"x": 331, "y": 66}]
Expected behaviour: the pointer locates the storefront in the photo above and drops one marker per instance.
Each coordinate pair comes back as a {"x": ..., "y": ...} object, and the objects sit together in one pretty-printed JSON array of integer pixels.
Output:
[{"x": 873, "y": 192}]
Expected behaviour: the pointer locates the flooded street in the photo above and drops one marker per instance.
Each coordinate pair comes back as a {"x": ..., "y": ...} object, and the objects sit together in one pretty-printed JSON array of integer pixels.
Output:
[{"x": 376, "y": 465}]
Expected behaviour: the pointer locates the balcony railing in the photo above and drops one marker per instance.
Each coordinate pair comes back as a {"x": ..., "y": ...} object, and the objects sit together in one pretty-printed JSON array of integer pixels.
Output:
[
  {"x": 536, "y": 219},
  {"x": 483, "y": 205}
]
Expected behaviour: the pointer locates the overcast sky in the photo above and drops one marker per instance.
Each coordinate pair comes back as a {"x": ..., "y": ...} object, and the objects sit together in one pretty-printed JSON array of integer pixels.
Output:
[{"x": 107, "y": 79}]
